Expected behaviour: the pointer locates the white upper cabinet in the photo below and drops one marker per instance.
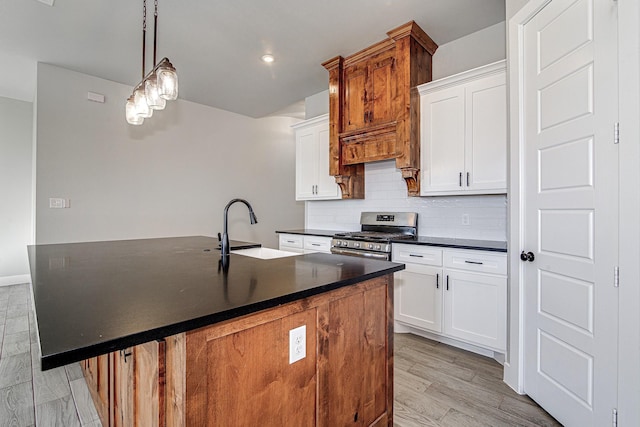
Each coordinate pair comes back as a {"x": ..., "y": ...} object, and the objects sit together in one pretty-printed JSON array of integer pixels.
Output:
[
  {"x": 313, "y": 181},
  {"x": 463, "y": 132}
]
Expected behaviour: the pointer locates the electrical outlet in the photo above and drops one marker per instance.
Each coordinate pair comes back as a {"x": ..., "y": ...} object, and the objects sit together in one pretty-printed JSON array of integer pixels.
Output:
[
  {"x": 297, "y": 344},
  {"x": 59, "y": 203},
  {"x": 465, "y": 219}
]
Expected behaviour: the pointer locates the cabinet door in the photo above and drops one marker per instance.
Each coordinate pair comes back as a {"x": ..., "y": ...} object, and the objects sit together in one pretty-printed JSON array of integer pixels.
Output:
[
  {"x": 381, "y": 90},
  {"x": 475, "y": 308},
  {"x": 486, "y": 134},
  {"x": 442, "y": 133},
  {"x": 355, "y": 84},
  {"x": 418, "y": 297},
  {"x": 306, "y": 163},
  {"x": 326, "y": 187}
]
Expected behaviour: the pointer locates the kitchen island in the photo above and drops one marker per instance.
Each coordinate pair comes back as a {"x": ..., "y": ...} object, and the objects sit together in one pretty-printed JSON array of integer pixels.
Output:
[{"x": 168, "y": 337}]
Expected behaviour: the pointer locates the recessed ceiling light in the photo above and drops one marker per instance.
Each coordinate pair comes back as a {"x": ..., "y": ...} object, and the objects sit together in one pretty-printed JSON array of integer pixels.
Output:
[{"x": 268, "y": 58}]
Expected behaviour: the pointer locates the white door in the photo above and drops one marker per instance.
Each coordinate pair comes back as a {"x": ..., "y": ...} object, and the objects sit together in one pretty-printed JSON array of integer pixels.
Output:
[{"x": 571, "y": 210}]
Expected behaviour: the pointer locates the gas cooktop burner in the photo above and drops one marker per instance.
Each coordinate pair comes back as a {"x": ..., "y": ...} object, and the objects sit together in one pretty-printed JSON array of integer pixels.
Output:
[{"x": 373, "y": 236}]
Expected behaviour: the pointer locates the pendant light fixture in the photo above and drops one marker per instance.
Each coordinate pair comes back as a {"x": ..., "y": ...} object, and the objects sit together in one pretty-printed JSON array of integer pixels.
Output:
[{"x": 158, "y": 86}]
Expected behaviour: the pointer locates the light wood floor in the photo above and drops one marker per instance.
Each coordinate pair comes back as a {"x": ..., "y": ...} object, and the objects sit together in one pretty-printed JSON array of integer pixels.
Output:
[
  {"x": 439, "y": 385},
  {"x": 435, "y": 384},
  {"x": 29, "y": 397}
]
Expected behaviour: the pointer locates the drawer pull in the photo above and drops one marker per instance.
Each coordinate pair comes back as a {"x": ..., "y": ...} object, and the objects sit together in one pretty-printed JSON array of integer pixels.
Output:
[
  {"x": 474, "y": 262},
  {"x": 291, "y": 241},
  {"x": 315, "y": 244},
  {"x": 416, "y": 255}
]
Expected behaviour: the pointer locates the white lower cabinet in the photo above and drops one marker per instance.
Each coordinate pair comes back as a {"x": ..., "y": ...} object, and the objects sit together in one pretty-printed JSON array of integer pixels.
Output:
[
  {"x": 475, "y": 308},
  {"x": 418, "y": 297},
  {"x": 301, "y": 243},
  {"x": 460, "y": 294}
]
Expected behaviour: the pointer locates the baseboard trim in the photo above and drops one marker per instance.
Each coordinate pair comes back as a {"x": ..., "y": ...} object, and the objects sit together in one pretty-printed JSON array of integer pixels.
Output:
[
  {"x": 497, "y": 356},
  {"x": 15, "y": 280}
]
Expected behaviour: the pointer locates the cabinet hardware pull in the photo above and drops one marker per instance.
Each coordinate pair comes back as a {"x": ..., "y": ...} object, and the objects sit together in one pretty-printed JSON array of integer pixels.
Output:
[
  {"x": 473, "y": 262},
  {"x": 370, "y": 116},
  {"x": 290, "y": 241},
  {"x": 315, "y": 244},
  {"x": 417, "y": 256},
  {"x": 437, "y": 281},
  {"x": 447, "y": 282},
  {"x": 467, "y": 179},
  {"x": 125, "y": 354},
  {"x": 460, "y": 179}
]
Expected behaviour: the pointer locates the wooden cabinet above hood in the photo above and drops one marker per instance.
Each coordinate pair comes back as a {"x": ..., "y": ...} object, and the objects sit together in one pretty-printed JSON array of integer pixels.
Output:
[{"x": 373, "y": 108}]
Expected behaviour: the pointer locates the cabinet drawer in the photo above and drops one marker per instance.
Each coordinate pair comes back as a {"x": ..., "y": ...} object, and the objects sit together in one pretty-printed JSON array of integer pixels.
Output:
[
  {"x": 416, "y": 254},
  {"x": 291, "y": 240},
  {"x": 478, "y": 261},
  {"x": 318, "y": 244}
]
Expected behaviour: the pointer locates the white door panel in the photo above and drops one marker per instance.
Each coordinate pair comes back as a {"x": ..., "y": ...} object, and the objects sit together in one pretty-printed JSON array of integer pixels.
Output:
[{"x": 570, "y": 218}]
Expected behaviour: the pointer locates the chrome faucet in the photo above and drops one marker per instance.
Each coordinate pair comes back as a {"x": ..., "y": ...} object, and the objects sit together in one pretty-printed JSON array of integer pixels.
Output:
[{"x": 224, "y": 243}]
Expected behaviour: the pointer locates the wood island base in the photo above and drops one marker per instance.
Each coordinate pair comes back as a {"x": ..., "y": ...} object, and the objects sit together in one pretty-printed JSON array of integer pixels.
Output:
[{"x": 237, "y": 372}]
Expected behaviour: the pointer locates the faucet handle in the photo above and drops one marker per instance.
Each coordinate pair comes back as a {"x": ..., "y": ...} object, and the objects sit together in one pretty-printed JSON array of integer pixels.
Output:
[{"x": 219, "y": 237}]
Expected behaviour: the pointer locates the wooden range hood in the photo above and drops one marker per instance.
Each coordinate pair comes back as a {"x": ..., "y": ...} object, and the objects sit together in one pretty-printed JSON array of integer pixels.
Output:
[{"x": 374, "y": 108}]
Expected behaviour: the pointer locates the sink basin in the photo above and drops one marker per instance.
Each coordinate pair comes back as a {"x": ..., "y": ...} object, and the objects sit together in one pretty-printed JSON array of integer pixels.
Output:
[{"x": 264, "y": 253}]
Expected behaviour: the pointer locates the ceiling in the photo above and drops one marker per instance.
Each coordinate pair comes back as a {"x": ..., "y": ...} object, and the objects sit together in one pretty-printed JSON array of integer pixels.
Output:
[{"x": 216, "y": 45}]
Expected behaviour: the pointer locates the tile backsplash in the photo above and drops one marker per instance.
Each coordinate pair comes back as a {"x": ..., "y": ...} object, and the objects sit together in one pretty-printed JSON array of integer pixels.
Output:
[{"x": 385, "y": 190}]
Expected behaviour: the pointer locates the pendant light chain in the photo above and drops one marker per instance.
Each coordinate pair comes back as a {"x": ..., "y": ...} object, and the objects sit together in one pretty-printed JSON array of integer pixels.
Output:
[
  {"x": 144, "y": 36},
  {"x": 155, "y": 29},
  {"x": 157, "y": 86}
]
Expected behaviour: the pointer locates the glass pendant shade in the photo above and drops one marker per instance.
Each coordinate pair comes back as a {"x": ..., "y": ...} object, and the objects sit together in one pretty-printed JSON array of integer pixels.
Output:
[
  {"x": 132, "y": 116},
  {"x": 167, "y": 80},
  {"x": 140, "y": 101},
  {"x": 154, "y": 101}
]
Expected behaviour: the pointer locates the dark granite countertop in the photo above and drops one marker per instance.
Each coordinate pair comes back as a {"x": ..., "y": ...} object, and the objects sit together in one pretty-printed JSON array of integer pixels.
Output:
[
  {"x": 481, "y": 245},
  {"x": 97, "y": 297},
  {"x": 445, "y": 242}
]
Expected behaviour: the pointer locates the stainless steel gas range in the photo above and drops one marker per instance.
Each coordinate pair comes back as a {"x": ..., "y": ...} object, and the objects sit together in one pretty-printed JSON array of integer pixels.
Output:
[{"x": 377, "y": 231}]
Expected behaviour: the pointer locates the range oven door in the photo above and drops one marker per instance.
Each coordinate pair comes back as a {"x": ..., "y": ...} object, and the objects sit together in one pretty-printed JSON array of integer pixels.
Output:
[{"x": 360, "y": 253}]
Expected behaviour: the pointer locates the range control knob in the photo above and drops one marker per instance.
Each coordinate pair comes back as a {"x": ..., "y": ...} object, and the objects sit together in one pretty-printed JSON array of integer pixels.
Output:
[
  {"x": 378, "y": 247},
  {"x": 356, "y": 245},
  {"x": 370, "y": 246}
]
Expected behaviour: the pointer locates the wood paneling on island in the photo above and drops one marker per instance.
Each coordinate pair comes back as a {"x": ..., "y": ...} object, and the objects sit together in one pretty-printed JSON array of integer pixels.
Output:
[{"x": 237, "y": 372}]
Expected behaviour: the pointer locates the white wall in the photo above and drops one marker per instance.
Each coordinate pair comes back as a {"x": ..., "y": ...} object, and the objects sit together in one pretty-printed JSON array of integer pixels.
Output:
[
  {"x": 172, "y": 176},
  {"x": 15, "y": 178},
  {"x": 479, "y": 48}
]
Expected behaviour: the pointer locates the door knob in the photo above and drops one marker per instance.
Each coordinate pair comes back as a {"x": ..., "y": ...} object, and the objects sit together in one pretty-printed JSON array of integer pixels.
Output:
[{"x": 527, "y": 256}]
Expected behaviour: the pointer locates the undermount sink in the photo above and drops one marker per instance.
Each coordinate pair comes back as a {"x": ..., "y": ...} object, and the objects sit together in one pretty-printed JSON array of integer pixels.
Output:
[{"x": 264, "y": 253}]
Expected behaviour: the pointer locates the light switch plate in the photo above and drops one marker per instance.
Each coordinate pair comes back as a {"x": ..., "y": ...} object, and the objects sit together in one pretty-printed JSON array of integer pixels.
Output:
[{"x": 297, "y": 344}]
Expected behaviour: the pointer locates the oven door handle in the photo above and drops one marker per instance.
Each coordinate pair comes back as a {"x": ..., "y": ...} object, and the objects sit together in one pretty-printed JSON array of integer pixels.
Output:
[{"x": 355, "y": 252}]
